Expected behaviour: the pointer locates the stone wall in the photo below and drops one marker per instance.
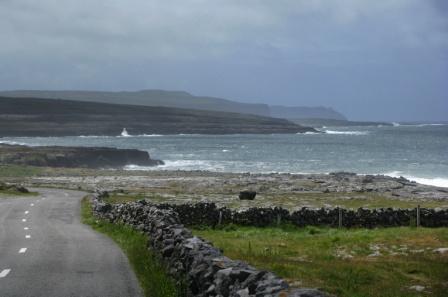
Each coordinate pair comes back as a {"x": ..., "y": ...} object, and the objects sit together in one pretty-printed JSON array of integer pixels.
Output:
[
  {"x": 205, "y": 269},
  {"x": 208, "y": 214}
]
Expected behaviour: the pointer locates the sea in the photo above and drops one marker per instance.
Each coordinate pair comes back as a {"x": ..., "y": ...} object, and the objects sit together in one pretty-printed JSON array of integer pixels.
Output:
[{"x": 418, "y": 152}]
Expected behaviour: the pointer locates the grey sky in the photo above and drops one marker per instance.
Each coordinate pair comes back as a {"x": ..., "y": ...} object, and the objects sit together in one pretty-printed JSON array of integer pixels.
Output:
[{"x": 370, "y": 59}]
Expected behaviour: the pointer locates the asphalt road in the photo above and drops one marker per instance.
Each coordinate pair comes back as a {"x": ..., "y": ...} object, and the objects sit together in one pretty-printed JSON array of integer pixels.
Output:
[{"x": 46, "y": 251}]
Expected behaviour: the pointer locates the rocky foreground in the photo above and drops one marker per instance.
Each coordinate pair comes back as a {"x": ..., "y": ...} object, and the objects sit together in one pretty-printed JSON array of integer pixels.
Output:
[
  {"x": 289, "y": 191},
  {"x": 68, "y": 157}
]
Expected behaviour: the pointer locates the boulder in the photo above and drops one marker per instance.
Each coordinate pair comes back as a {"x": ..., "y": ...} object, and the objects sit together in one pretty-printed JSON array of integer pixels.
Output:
[{"x": 247, "y": 195}]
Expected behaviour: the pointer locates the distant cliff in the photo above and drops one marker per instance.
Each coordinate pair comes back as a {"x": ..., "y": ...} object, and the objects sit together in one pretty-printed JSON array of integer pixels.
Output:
[
  {"x": 49, "y": 117},
  {"x": 180, "y": 99},
  {"x": 56, "y": 156},
  {"x": 296, "y": 112},
  {"x": 319, "y": 123}
]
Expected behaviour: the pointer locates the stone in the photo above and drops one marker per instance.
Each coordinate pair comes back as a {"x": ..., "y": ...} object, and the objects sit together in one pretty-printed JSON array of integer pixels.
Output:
[
  {"x": 441, "y": 250},
  {"x": 417, "y": 288},
  {"x": 247, "y": 195}
]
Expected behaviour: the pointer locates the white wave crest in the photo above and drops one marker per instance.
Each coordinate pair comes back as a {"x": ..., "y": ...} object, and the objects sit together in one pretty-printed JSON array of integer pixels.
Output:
[
  {"x": 181, "y": 165},
  {"x": 149, "y": 135},
  {"x": 309, "y": 133},
  {"x": 94, "y": 136},
  {"x": 124, "y": 133},
  {"x": 12, "y": 142},
  {"x": 436, "y": 181},
  {"x": 346, "y": 132}
]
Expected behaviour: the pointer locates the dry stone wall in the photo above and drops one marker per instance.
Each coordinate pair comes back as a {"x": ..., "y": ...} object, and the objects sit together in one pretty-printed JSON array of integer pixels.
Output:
[
  {"x": 208, "y": 214},
  {"x": 205, "y": 269}
]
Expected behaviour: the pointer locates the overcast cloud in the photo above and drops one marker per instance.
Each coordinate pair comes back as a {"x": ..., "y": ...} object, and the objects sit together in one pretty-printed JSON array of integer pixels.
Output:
[{"x": 370, "y": 59}]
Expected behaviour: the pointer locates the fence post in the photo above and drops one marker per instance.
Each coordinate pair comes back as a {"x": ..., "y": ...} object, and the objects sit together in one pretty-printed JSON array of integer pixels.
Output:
[
  {"x": 220, "y": 218},
  {"x": 279, "y": 219},
  {"x": 418, "y": 215},
  {"x": 340, "y": 217}
]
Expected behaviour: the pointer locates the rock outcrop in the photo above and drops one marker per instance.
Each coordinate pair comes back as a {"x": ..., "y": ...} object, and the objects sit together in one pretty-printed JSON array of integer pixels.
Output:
[
  {"x": 13, "y": 188},
  {"x": 91, "y": 157}
]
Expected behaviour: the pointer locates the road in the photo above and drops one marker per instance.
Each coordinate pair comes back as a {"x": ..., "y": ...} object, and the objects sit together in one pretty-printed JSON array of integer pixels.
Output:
[{"x": 46, "y": 251}]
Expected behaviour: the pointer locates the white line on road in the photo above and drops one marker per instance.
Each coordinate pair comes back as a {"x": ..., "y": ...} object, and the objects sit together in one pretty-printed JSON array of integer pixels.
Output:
[
  {"x": 32, "y": 204},
  {"x": 4, "y": 272},
  {"x": 27, "y": 212},
  {"x": 23, "y": 220},
  {"x": 22, "y": 250},
  {"x": 25, "y": 228},
  {"x": 27, "y": 236}
]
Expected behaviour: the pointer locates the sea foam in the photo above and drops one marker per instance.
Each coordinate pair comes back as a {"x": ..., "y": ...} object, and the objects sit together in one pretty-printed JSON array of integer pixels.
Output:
[
  {"x": 346, "y": 132},
  {"x": 435, "y": 181}
]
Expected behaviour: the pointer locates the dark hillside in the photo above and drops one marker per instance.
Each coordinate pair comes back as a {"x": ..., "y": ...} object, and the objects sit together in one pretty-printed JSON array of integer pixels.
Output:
[
  {"x": 49, "y": 117},
  {"x": 176, "y": 99}
]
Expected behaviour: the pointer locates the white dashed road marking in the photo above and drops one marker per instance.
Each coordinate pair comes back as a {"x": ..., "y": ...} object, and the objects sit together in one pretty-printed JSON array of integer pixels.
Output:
[
  {"x": 26, "y": 228},
  {"x": 32, "y": 204},
  {"x": 22, "y": 250},
  {"x": 23, "y": 220},
  {"x": 27, "y": 212},
  {"x": 27, "y": 236},
  {"x": 4, "y": 273}
]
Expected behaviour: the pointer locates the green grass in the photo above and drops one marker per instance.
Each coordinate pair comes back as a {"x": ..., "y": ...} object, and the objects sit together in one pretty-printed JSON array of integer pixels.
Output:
[
  {"x": 19, "y": 171},
  {"x": 15, "y": 193},
  {"x": 338, "y": 260},
  {"x": 150, "y": 272}
]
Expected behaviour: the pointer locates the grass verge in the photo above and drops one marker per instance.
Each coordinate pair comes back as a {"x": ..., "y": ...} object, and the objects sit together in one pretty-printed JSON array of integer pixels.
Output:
[
  {"x": 355, "y": 262},
  {"x": 150, "y": 272},
  {"x": 15, "y": 193}
]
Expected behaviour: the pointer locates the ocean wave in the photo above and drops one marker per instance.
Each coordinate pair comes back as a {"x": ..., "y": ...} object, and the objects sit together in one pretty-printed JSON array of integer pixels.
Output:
[
  {"x": 435, "y": 181},
  {"x": 309, "y": 133},
  {"x": 12, "y": 142},
  {"x": 334, "y": 132},
  {"x": 181, "y": 165},
  {"x": 421, "y": 125},
  {"x": 94, "y": 136}
]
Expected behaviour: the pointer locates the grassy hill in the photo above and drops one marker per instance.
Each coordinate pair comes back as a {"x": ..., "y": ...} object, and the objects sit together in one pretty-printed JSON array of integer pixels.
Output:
[
  {"x": 177, "y": 99},
  {"x": 49, "y": 117}
]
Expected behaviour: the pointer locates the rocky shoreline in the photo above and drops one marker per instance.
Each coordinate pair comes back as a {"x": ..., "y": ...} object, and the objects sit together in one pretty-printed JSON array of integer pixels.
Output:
[{"x": 69, "y": 157}]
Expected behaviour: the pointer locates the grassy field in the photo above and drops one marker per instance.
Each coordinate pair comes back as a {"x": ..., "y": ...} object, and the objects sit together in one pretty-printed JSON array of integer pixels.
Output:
[
  {"x": 351, "y": 263},
  {"x": 150, "y": 273}
]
